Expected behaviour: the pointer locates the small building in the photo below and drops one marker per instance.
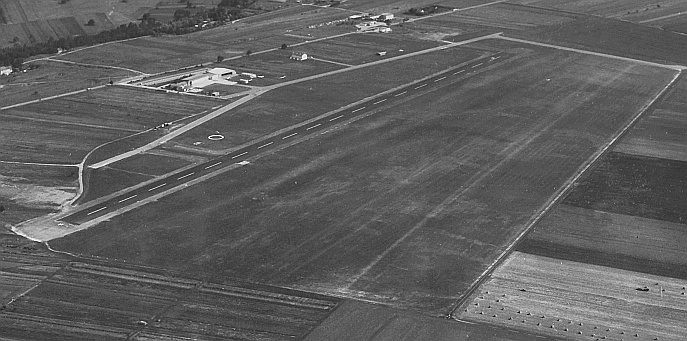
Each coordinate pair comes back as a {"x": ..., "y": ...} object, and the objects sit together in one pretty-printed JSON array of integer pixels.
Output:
[
  {"x": 197, "y": 81},
  {"x": 372, "y": 26},
  {"x": 386, "y": 16},
  {"x": 381, "y": 53},
  {"x": 299, "y": 56},
  {"x": 5, "y": 70},
  {"x": 220, "y": 72}
]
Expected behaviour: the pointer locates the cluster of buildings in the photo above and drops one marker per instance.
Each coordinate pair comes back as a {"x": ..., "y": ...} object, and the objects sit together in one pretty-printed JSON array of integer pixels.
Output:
[
  {"x": 373, "y": 23},
  {"x": 219, "y": 75},
  {"x": 5, "y": 70}
]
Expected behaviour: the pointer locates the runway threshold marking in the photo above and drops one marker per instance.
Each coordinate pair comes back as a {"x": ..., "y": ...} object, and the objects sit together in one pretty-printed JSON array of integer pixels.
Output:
[
  {"x": 438, "y": 79},
  {"x": 131, "y": 197},
  {"x": 265, "y": 145},
  {"x": 213, "y": 165},
  {"x": 380, "y": 101},
  {"x": 235, "y": 156},
  {"x": 400, "y": 94},
  {"x": 474, "y": 66},
  {"x": 417, "y": 87},
  {"x": 336, "y": 118},
  {"x": 313, "y": 127},
  {"x": 156, "y": 187},
  {"x": 358, "y": 109},
  {"x": 98, "y": 210},
  {"x": 187, "y": 175},
  {"x": 287, "y": 136}
]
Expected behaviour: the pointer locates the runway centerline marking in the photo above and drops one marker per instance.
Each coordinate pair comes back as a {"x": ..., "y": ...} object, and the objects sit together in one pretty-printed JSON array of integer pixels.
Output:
[
  {"x": 265, "y": 145},
  {"x": 235, "y": 156},
  {"x": 156, "y": 187},
  {"x": 417, "y": 87},
  {"x": 131, "y": 197},
  {"x": 187, "y": 175},
  {"x": 213, "y": 165},
  {"x": 98, "y": 210},
  {"x": 380, "y": 101},
  {"x": 336, "y": 118},
  {"x": 474, "y": 66},
  {"x": 455, "y": 73},
  {"x": 436, "y": 80},
  {"x": 313, "y": 127},
  {"x": 358, "y": 109},
  {"x": 287, "y": 136},
  {"x": 399, "y": 94}
]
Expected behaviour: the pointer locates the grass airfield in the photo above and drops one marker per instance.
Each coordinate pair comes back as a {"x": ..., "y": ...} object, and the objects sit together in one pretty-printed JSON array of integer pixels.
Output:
[{"x": 473, "y": 183}]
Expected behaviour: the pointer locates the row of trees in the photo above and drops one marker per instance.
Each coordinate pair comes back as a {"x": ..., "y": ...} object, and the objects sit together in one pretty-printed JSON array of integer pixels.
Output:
[{"x": 227, "y": 10}]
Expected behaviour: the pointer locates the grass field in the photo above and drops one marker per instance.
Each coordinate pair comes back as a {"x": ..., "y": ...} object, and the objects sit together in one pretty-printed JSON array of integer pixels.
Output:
[
  {"x": 290, "y": 105},
  {"x": 94, "y": 117},
  {"x": 660, "y": 133},
  {"x": 386, "y": 208},
  {"x": 158, "y": 54},
  {"x": 632, "y": 10},
  {"x": 578, "y": 301},
  {"x": 610, "y": 239},
  {"x": 615, "y": 37},
  {"x": 90, "y": 301},
  {"x": 634, "y": 185},
  {"x": 50, "y": 79}
]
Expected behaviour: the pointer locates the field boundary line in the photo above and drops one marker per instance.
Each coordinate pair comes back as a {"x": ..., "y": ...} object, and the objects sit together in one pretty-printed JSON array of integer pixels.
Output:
[
  {"x": 40, "y": 164},
  {"x": 598, "y": 54},
  {"x": 453, "y": 11},
  {"x": 663, "y": 17},
  {"x": 51, "y": 59},
  {"x": 83, "y": 48},
  {"x": 51, "y": 97},
  {"x": 562, "y": 191},
  {"x": 68, "y": 123}
]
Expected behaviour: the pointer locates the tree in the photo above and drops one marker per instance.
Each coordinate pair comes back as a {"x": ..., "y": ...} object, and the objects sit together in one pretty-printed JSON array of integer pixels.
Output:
[
  {"x": 90, "y": 23},
  {"x": 283, "y": 46},
  {"x": 248, "y": 52},
  {"x": 220, "y": 59},
  {"x": 17, "y": 63}
]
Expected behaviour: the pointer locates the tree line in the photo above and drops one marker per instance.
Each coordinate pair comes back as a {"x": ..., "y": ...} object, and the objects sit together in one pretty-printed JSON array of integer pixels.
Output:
[{"x": 183, "y": 23}]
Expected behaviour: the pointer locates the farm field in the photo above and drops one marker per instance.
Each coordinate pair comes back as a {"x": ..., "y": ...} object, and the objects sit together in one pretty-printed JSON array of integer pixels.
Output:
[
  {"x": 610, "y": 239},
  {"x": 510, "y": 17},
  {"x": 614, "y": 37},
  {"x": 634, "y": 185},
  {"x": 50, "y": 79},
  {"x": 158, "y": 54},
  {"x": 28, "y": 191},
  {"x": 362, "y": 48},
  {"x": 96, "y": 117},
  {"x": 633, "y": 10},
  {"x": 87, "y": 301},
  {"x": 660, "y": 133},
  {"x": 384, "y": 208},
  {"x": 354, "y": 320},
  {"x": 578, "y": 301}
]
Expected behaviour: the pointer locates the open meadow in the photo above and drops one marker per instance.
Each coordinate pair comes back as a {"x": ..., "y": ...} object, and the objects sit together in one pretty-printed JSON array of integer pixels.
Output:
[
  {"x": 578, "y": 301},
  {"x": 46, "y": 130},
  {"x": 661, "y": 133},
  {"x": 46, "y": 78},
  {"x": 158, "y": 54},
  {"x": 406, "y": 206}
]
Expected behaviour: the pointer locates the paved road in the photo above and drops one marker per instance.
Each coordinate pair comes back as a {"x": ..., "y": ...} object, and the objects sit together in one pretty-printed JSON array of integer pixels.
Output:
[{"x": 318, "y": 126}]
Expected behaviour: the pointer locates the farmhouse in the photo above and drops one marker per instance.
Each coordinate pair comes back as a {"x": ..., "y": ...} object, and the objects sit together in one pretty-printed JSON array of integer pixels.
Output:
[
  {"x": 299, "y": 56},
  {"x": 5, "y": 70}
]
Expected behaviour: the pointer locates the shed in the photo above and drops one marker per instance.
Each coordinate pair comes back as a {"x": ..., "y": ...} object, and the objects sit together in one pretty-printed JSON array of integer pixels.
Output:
[
  {"x": 5, "y": 70},
  {"x": 299, "y": 56}
]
